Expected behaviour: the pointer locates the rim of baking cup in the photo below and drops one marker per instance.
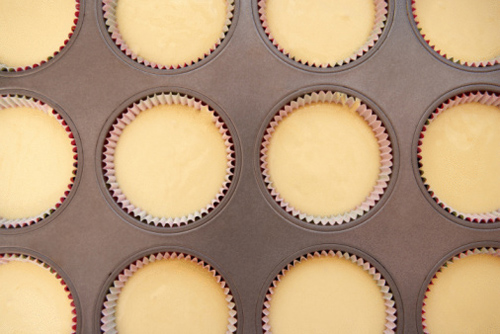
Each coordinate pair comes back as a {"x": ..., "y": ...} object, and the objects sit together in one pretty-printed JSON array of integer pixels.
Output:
[
  {"x": 383, "y": 19},
  {"x": 480, "y": 248},
  {"x": 389, "y": 297},
  {"x": 128, "y": 116},
  {"x": 384, "y": 144},
  {"x": 486, "y": 98},
  {"x": 108, "y": 318},
  {"x": 490, "y": 64},
  {"x": 108, "y": 9},
  {"x": 4, "y": 68},
  {"x": 21, "y": 257},
  {"x": 16, "y": 100}
]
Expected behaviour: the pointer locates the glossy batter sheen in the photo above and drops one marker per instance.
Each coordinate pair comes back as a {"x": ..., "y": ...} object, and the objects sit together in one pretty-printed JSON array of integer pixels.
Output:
[
  {"x": 467, "y": 30},
  {"x": 36, "y": 162},
  {"x": 321, "y": 31},
  {"x": 465, "y": 297},
  {"x": 33, "y": 301},
  {"x": 461, "y": 157},
  {"x": 327, "y": 295},
  {"x": 31, "y": 31},
  {"x": 171, "y": 160},
  {"x": 172, "y": 296},
  {"x": 171, "y": 32},
  {"x": 324, "y": 159}
]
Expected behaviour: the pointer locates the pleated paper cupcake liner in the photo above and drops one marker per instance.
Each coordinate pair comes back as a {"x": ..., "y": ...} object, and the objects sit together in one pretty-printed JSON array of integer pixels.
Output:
[
  {"x": 378, "y": 27},
  {"x": 108, "y": 319},
  {"x": 109, "y": 12},
  {"x": 390, "y": 309},
  {"x": 475, "y": 251},
  {"x": 489, "y": 99},
  {"x": 7, "y": 68},
  {"x": 380, "y": 133},
  {"x": 10, "y": 257},
  {"x": 114, "y": 135},
  {"x": 479, "y": 63},
  {"x": 13, "y": 101}
]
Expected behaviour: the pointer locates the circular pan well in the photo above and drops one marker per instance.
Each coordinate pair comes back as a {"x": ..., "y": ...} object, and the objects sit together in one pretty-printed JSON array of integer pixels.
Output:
[
  {"x": 394, "y": 305},
  {"x": 442, "y": 57},
  {"x": 9, "y": 71},
  {"x": 484, "y": 247},
  {"x": 158, "y": 224},
  {"x": 34, "y": 99},
  {"x": 347, "y": 220},
  {"x": 122, "y": 52},
  {"x": 355, "y": 60},
  {"x": 104, "y": 317},
  {"x": 474, "y": 221},
  {"x": 35, "y": 257}
]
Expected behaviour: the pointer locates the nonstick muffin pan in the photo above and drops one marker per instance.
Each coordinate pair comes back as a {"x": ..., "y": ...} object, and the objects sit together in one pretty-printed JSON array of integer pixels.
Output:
[{"x": 248, "y": 238}]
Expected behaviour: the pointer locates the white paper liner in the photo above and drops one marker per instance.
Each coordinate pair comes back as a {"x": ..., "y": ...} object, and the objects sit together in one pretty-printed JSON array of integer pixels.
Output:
[
  {"x": 383, "y": 142},
  {"x": 390, "y": 310},
  {"x": 481, "y": 63},
  {"x": 489, "y": 99},
  {"x": 6, "y": 258},
  {"x": 114, "y": 135},
  {"x": 7, "y": 68},
  {"x": 378, "y": 27},
  {"x": 475, "y": 251},
  {"x": 13, "y": 101},
  {"x": 109, "y": 308},
  {"x": 109, "y": 12}
]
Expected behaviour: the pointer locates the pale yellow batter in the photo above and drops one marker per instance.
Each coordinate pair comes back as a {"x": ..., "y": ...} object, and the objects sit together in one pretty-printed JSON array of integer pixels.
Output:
[
  {"x": 324, "y": 159},
  {"x": 467, "y": 30},
  {"x": 320, "y": 31},
  {"x": 171, "y": 160},
  {"x": 171, "y": 32},
  {"x": 461, "y": 157},
  {"x": 33, "y": 301},
  {"x": 172, "y": 296},
  {"x": 36, "y": 162},
  {"x": 327, "y": 295},
  {"x": 465, "y": 297},
  {"x": 31, "y": 31}
]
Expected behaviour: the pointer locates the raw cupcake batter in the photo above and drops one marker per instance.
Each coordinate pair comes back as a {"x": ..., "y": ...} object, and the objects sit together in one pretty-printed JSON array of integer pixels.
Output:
[
  {"x": 172, "y": 296},
  {"x": 320, "y": 32},
  {"x": 465, "y": 297},
  {"x": 327, "y": 295},
  {"x": 467, "y": 30},
  {"x": 36, "y": 162},
  {"x": 461, "y": 157},
  {"x": 324, "y": 159},
  {"x": 171, "y": 32},
  {"x": 31, "y": 31},
  {"x": 33, "y": 300},
  {"x": 171, "y": 160}
]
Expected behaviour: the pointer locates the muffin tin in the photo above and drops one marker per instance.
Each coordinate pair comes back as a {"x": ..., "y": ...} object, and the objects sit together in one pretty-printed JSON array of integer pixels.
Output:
[{"x": 248, "y": 238}]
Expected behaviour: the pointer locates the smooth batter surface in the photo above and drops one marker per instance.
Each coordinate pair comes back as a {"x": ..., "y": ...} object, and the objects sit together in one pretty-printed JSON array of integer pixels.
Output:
[
  {"x": 465, "y": 297},
  {"x": 327, "y": 295},
  {"x": 171, "y": 32},
  {"x": 467, "y": 30},
  {"x": 324, "y": 159},
  {"x": 461, "y": 157},
  {"x": 172, "y": 296},
  {"x": 171, "y": 160},
  {"x": 321, "y": 31},
  {"x": 36, "y": 162},
  {"x": 31, "y": 31},
  {"x": 33, "y": 301}
]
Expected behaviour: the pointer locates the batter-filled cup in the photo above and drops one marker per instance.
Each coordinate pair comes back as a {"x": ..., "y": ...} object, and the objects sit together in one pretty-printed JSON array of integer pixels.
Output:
[
  {"x": 326, "y": 158},
  {"x": 168, "y": 160}
]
